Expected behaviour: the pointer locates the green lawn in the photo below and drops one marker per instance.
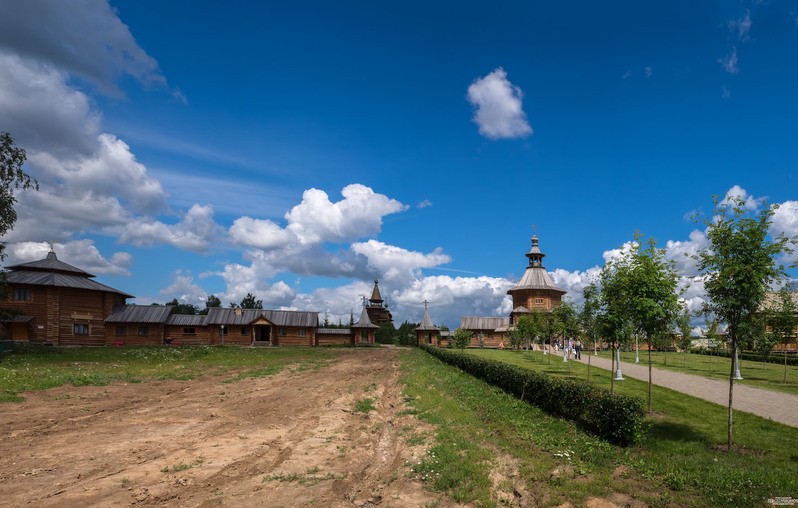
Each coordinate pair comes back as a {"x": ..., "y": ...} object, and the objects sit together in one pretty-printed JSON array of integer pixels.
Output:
[
  {"x": 47, "y": 367},
  {"x": 677, "y": 461},
  {"x": 769, "y": 376}
]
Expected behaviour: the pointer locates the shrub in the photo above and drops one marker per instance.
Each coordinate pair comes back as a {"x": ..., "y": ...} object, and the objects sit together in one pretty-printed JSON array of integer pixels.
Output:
[{"x": 616, "y": 418}]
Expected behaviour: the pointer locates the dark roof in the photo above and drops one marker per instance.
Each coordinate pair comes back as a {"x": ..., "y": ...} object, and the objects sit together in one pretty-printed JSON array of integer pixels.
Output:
[
  {"x": 42, "y": 278},
  {"x": 364, "y": 322},
  {"x": 17, "y": 319},
  {"x": 50, "y": 264},
  {"x": 426, "y": 323},
  {"x": 483, "y": 323},
  {"x": 150, "y": 314},
  {"x": 535, "y": 276},
  {"x": 376, "y": 297},
  {"x": 223, "y": 316},
  {"x": 186, "y": 320}
]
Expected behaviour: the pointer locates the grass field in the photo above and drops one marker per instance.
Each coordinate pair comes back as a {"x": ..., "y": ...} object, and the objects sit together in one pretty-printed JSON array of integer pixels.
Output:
[
  {"x": 679, "y": 459},
  {"x": 483, "y": 437},
  {"x": 769, "y": 376},
  {"x": 47, "y": 367}
]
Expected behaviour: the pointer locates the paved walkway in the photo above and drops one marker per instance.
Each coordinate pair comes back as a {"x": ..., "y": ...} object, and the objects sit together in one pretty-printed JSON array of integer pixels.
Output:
[{"x": 776, "y": 406}]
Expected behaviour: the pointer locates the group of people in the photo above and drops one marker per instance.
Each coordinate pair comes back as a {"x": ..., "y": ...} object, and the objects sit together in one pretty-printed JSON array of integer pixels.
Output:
[{"x": 570, "y": 348}]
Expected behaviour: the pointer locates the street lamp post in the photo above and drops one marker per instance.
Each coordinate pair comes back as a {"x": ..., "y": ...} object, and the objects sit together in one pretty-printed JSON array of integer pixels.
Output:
[
  {"x": 737, "y": 376},
  {"x": 637, "y": 351},
  {"x": 618, "y": 373}
]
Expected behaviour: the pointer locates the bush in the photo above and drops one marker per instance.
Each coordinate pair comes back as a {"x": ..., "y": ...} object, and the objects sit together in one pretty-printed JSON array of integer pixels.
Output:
[{"x": 616, "y": 418}]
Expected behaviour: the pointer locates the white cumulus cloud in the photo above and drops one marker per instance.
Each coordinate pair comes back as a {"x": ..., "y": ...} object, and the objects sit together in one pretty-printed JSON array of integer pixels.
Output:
[
  {"x": 499, "y": 109},
  {"x": 195, "y": 232}
]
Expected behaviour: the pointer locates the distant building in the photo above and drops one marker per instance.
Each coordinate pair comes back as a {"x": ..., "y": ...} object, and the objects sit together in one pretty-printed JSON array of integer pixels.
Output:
[
  {"x": 376, "y": 307},
  {"x": 535, "y": 292},
  {"x": 55, "y": 303},
  {"x": 772, "y": 301},
  {"x": 427, "y": 333}
]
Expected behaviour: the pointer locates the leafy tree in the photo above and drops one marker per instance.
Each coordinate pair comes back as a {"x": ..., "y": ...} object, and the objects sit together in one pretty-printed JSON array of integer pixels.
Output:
[
  {"x": 650, "y": 292},
  {"x": 549, "y": 330},
  {"x": 183, "y": 308},
  {"x": 249, "y": 302},
  {"x": 782, "y": 316},
  {"x": 712, "y": 338},
  {"x": 614, "y": 319},
  {"x": 212, "y": 301},
  {"x": 566, "y": 324},
  {"x": 763, "y": 345},
  {"x": 462, "y": 338},
  {"x": 682, "y": 323},
  {"x": 528, "y": 328},
  {"x": 12, "y": 177},
  {"x": 385, "y": 333},
  {"x": 588, "y": 314},
  {"x": 406, "y": 334},
  {"x": 739, "y": 264}
]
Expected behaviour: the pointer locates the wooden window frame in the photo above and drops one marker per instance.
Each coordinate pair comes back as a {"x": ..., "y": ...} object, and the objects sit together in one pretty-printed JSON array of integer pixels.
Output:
[
  {"x": 120, "y": 331},
  {"x": 189, "y": 330},
  {"x": 302, "y": 332},
  {"x": 20, "y": 294},
  {"x": 78, "y": 329},
  {"x": 144, "y": 331}
]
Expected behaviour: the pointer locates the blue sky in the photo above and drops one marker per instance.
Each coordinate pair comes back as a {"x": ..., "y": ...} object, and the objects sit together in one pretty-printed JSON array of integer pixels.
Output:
[{"x": 298, "y": 151}]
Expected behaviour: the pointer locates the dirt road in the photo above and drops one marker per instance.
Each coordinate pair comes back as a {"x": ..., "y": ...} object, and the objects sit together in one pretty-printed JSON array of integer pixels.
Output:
[{"x": 291, "y": 439}]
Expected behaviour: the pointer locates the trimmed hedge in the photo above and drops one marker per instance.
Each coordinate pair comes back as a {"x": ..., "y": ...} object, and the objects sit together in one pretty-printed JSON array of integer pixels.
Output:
[
  {"x": 775, "y": 357},
  {"x": 616, "y": 418}
]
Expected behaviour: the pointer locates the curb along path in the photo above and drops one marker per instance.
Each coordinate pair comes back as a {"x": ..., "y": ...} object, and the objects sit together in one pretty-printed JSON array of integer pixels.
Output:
[{"x": 776, "y": 406}]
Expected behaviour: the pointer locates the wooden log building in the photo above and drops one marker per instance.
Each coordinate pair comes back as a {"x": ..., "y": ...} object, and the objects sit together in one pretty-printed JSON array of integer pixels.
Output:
[
  {"x": 54, "y": 303},
  {"x": 535, "y": 292}
]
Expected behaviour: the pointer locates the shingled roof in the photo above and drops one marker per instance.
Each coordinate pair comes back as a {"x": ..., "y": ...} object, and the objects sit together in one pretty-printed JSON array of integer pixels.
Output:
[
  {"x": 426, "y": 323},
  {"x": 364, "y": 322},
  {"x": 535, "y": 276},
  {"x": 233, "y": 317},
  {"x": 149, "y": 314},
  {"x": 52, "y": 272},
  {"x": 483, "y": 323},
  {"x": 51, "y": 263}
]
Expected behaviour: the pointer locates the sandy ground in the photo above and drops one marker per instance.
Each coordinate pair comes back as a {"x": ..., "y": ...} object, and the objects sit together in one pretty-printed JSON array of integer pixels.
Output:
[{"x": 291, "y": 439}]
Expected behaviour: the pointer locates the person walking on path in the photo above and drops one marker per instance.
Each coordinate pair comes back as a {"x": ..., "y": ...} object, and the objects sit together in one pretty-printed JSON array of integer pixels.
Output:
[{"x": 578, "y": 349}]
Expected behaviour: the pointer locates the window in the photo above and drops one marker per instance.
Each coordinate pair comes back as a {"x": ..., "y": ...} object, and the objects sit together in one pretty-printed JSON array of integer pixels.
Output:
[
  {"x": 80, "y": 329},
  {"x": 189, "y": 331},
  {"x": 282, "y": 331},
  {"x": 121, "y": 330},
  {"x": 20, "y": 294},
  {"x": 144, "y": 331},
  {"x": 302, "y": 332},
  {"x": 244, "y": 330},
  {"x": 538, "y": 301}
]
